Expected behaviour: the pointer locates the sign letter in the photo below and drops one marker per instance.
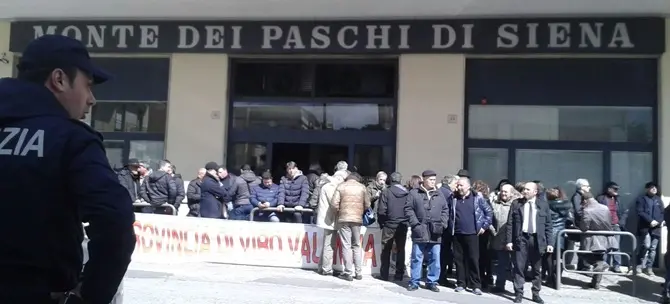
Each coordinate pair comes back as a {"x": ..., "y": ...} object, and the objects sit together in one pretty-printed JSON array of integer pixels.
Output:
[
  {"x": 184, "y": 42},
  {"x": 270, "y": 33}
]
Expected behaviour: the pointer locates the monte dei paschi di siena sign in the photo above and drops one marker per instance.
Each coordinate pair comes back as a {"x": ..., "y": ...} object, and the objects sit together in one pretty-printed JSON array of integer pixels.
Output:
[{"x": 618, "y": 35}]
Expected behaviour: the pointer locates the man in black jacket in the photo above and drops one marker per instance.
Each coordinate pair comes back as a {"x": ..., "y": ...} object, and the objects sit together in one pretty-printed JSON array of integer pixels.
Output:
[
  {"x": 619, "y": 216},
  {"x": 392, "y": 220},
  {"x": 129, "y": 177},
  {"x": 193, "y": 194},
  {"x": 159, "y": 188},
  {"x": 428, "y": 215},
  {"x": 528, "y": 237},
  {"x": 179, "y": 183}
]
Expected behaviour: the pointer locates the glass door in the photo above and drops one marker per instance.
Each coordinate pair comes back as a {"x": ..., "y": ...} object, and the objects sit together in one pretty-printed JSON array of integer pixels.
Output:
[{"x": 115, "y": 152}]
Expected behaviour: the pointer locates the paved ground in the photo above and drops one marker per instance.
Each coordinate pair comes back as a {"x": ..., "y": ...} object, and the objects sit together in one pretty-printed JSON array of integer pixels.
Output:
[{"x": 204, "y": 283}]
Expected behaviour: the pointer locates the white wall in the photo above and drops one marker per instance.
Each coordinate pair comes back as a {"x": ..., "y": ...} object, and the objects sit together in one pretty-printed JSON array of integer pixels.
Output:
[
  {"x": 664, "y": 130},
  {"x": 197, "y": 116},
  {"x": 5, "y": 68},
  {"x": 432, "y": 87}
]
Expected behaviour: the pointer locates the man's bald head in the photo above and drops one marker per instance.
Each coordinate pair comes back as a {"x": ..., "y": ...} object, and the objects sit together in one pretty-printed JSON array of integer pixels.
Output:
[
  {"x": 202, "y": 172},
  {"x": 463, "y": 186},
  {"x": 530, "y": 190},
  {"x": 506, "y": 192}
]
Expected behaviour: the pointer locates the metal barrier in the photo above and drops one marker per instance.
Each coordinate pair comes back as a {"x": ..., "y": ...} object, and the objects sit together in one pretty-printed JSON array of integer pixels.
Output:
[
  {"x": 560, "y": 267},
  {"x": 274, "y": 209},
  {"x": 166, "y": 205}
]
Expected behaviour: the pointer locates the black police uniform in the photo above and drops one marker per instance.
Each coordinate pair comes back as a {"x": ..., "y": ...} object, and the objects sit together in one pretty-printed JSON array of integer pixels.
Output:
[{"x": 54, "y": 175}]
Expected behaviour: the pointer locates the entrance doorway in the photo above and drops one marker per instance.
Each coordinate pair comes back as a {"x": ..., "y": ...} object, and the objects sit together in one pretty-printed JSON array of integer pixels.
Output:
[{"x": 304, "y": 155}]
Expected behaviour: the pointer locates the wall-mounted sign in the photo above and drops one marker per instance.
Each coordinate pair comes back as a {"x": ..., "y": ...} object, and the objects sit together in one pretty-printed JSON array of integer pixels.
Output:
[
  {"x": 452, "y": 118},
  {"x": 481, "y": 36}
]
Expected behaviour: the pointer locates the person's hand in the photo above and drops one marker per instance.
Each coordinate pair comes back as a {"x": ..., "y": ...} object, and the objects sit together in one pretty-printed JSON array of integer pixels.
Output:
[
  {"x": 550, "y": 249},
  {"x": 262, "y": 205},
  {"x": 509, "y": 247},
  {"x": 481, "y": 231},
  {"x": 298, "y": 208},
  {"x": 653, "y": 223},
  {"x": 280, "y": 208},
  {"x": 138, "y": 201}
]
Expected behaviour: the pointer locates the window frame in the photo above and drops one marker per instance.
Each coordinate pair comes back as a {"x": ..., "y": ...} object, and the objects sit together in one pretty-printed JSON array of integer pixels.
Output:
[
  {"x": 123, "y": 119},
  {"x": 316, "y": 103},
  {"x": 312, "y": 64},
  {"x": 647, "y": 110},
  {"x": 128, "y": 137},
  {"x": 350, "y": 138},
  {"x": 472, "y": 97}
]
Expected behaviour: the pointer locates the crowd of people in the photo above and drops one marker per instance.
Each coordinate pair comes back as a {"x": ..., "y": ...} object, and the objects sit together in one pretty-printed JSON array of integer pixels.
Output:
[{"x": 459, "y": 227}]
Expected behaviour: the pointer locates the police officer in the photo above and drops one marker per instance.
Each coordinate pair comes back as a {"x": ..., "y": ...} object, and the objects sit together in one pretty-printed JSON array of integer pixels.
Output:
[{"x": 54, "y": 175}]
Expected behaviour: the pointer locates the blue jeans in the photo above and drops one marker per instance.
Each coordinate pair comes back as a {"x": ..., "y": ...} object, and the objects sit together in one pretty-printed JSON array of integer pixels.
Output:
[
  {"x": 432, "y": 250},
  {"x": 266, "y": 217},
  {"x": 503, "y": 268},
  {"x": 615, "y": 258},
  {"x": 240, "y": 212},
  {"x": 646, "y": 253}
]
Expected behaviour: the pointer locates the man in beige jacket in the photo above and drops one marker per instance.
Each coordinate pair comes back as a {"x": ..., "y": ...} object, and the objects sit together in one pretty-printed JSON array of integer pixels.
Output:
[
  {"x": 326, "y": 217},
  {"x": 350, "y": 201}
]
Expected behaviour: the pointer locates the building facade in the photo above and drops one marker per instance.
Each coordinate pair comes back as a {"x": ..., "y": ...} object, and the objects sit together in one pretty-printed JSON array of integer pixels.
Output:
[{"x": 549, "y": 99}]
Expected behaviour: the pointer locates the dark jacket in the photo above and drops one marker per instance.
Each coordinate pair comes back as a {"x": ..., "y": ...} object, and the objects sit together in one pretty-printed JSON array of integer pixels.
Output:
[
  {"x": 374, "y": 190},
  {"x": 251, "y": 179},
  {"x": 391, "y": 210},
  {"x": 561, "y": 218},
  {"x": 483, "y": 212},
  {"x": 130, "y": 182},
  {"x": 261, "y": 193},
  {"x": 666, "y": 218},
  {"x": 542, "y": 220},
  {"x": 427, "y": 214},
  {"x": 55, "y": 175},
  {"x": 316, "y": 192},
  {"x": 212, "y": 197},
  {"x": 242, "y": 187},
  {"x": 576, "y": 201},
  {"x": 622, "y": 214},
  {"x": 181, "y": 193},
  {"x": 194, "y": 191},
  {"x": 312, "y": 178},
  {"x": 649, "y": 209},
  {"x": 159, "y": 188},
  {"x": 446, "y": 191},
  {"x": 293, "y": 191}
]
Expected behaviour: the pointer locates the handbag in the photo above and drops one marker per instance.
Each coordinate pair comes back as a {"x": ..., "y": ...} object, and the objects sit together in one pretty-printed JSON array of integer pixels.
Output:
[{"x": 369, "y": 217}]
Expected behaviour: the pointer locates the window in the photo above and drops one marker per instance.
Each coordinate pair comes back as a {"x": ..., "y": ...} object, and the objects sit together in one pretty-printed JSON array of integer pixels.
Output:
[
  {"x": 313, "y": 116},
  {"x": 348, "y": 79},
  {"x": 147, "y": 150},
  {"x": 561, "y": 123},
  {"x": 355, "y": 80},
  {"x": 560, "y": 167},
  {"x": 489, "y": 165},
  {"x": 129, "y": 117},
  {"x": 137, "y": 79},
  {"x": 114, "y": 150},
  {"x": 631, "y": 170},
  {"x": 371, "y": 159},
  {"x": 273, "y": 79},
  {"x": 252, "y": 154}
]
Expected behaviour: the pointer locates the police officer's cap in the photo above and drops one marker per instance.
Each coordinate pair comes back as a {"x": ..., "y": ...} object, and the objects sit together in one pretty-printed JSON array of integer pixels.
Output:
[{"x": 56, "y": 51}]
